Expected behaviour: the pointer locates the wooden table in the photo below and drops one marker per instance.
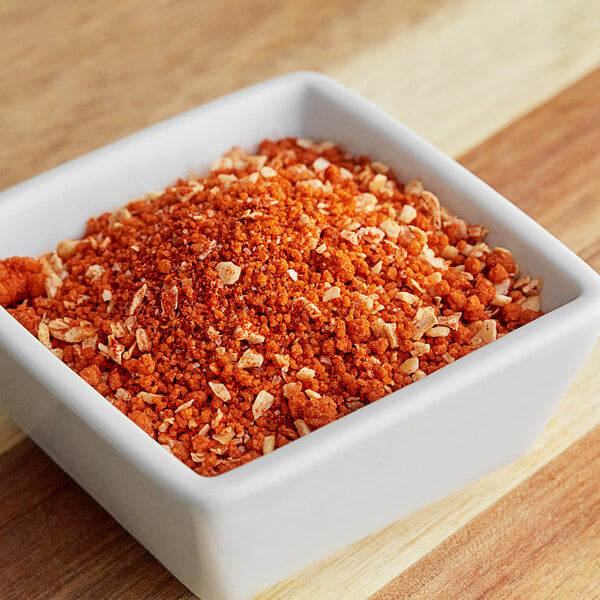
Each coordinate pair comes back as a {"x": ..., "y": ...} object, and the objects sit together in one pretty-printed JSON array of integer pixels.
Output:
[{"x": 462, "y": 73}]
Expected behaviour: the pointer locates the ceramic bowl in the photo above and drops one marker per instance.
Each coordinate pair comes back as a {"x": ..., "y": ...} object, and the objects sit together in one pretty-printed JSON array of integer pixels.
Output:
[{"x": 231, "y": 536}]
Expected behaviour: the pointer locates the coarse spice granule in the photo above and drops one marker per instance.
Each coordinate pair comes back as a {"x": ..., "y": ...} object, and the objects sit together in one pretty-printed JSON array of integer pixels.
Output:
[{"x": 230, "y": 314}]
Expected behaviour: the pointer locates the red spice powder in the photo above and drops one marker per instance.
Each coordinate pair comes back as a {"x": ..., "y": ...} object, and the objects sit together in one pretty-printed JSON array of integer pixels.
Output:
[{"x": 232, "y": 313}]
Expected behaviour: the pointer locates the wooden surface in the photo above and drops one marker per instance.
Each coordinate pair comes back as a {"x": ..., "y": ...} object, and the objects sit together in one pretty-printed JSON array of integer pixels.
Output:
[
  {"x": 79, "y": 75},
  {"x": 540, "y": 542}
]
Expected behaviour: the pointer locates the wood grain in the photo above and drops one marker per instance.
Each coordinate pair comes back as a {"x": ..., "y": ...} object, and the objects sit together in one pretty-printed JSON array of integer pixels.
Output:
[
  {"x": 57, "y": 542},
  {"x": 548, "y": 163},
  {"x": 78, "y": 75},
  {"x": 541, "y": 542},
  {"x": 85, "y": 73},
  {"x": 473, "y": 67}
]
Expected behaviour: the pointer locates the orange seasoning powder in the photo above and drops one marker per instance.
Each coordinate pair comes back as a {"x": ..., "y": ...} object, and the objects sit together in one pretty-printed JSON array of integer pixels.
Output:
[{"x": 232, "y": 313}]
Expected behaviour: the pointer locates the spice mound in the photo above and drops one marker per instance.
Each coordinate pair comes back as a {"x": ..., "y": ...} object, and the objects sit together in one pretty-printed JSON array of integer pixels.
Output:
[{"x": 233, "y": 313}]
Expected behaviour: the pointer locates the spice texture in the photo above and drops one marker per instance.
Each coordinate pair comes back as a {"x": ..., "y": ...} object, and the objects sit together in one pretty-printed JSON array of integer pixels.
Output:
[{"x": 230, "y": 314}]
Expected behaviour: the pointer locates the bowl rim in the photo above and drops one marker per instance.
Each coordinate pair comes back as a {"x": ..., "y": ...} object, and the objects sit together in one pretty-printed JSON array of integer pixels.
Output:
[{"x": 216, "y": 492}]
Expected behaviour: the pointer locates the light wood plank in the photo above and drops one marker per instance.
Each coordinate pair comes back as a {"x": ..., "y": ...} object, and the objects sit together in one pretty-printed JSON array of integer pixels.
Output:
[
  {"x": 472, "y": 68},
  {"x": 10, "y": 433},
  {"x": 78, "y": 75}
]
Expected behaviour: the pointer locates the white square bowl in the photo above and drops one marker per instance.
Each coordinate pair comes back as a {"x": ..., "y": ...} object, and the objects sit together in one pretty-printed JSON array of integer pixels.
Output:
[{"x": 231, "y": 536}]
